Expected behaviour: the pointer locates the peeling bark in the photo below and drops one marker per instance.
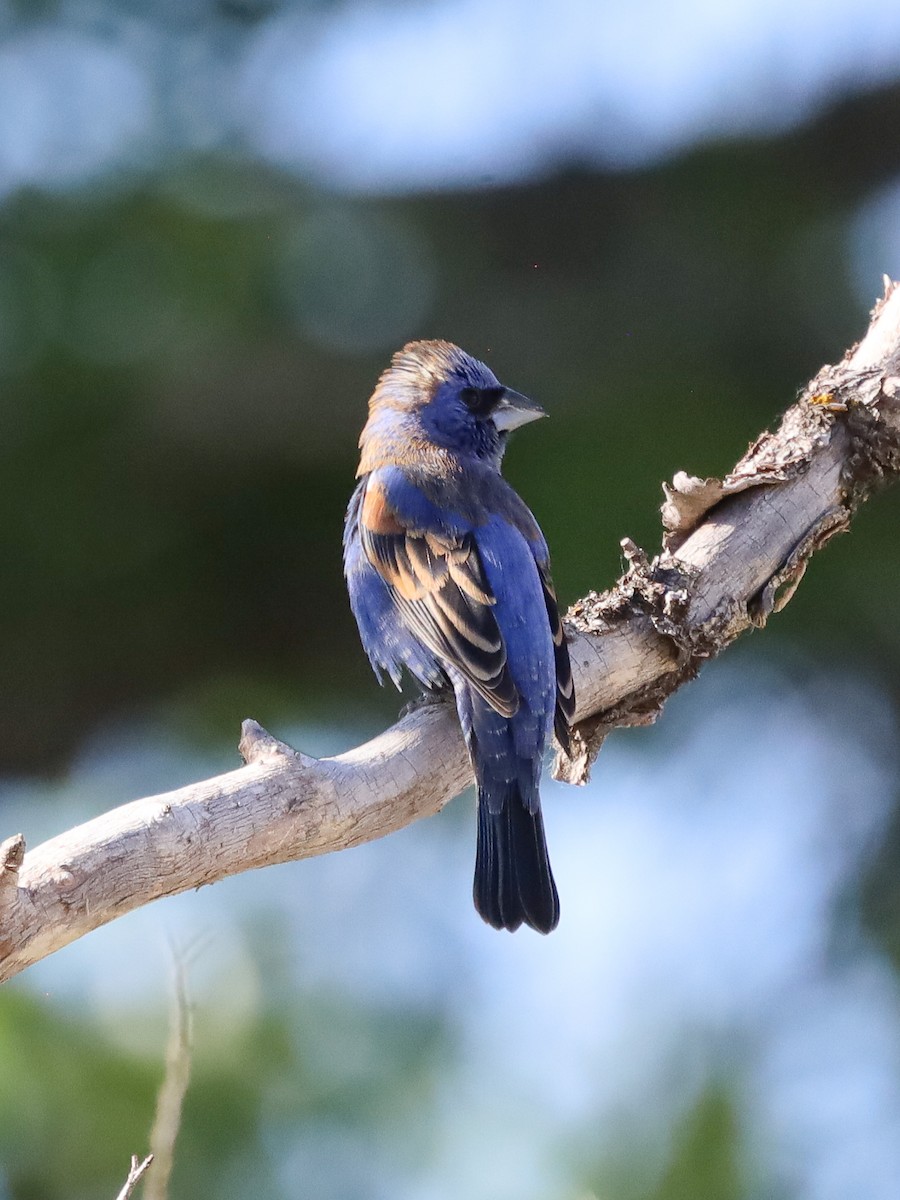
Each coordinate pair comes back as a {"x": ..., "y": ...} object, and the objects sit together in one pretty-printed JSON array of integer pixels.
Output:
[{"x": 734, "y": 551}]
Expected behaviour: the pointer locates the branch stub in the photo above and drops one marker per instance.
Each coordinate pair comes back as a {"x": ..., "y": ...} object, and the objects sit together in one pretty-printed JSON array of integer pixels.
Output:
[
  {"x": 258, "y": 746},
  {"x": 12, "y": 855}
]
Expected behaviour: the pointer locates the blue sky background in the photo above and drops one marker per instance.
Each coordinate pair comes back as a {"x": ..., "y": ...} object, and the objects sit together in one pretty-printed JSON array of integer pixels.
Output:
[{"x": 396, "y": 97}]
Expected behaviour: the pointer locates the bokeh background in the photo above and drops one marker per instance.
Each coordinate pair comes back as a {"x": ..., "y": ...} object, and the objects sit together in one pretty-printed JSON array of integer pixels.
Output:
[{"x": 217, "y": 221}]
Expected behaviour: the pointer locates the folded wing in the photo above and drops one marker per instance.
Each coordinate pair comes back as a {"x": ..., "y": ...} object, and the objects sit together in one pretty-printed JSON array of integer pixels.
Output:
[
  {"x": 564, "y": 714},
  {"x": 438, "y": 585}
]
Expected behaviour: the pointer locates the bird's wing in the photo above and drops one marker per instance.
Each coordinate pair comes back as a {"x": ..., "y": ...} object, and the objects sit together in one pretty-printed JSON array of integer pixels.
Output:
[
  {"x": 437, "y": 583},
  {"x": 517, "y": 513},
  {"x": 564, "y": 715}
]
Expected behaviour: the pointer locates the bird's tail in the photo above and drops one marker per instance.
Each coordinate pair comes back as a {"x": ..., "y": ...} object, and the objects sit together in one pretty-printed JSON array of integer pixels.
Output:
[{"x": 513, "y": 880}]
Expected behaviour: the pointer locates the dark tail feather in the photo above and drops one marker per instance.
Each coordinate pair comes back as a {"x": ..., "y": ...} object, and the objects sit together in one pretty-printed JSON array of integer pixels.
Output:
[{"x": 513, "y": 880}]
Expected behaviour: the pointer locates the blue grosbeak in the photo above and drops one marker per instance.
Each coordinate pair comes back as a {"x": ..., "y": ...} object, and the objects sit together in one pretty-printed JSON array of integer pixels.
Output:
[{"x": 449, "y": 577}]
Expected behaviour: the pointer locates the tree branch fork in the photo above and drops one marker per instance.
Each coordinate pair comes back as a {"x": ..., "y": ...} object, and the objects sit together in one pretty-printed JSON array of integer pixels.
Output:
[{"x": 734, "y": 550}]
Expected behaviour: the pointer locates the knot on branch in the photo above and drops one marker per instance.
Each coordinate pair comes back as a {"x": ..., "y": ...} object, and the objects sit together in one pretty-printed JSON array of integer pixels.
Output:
[
  {"x": 661, "y": 589},
  {"x": 658, "y": 590},
  {"x": 660, "y": 593}
]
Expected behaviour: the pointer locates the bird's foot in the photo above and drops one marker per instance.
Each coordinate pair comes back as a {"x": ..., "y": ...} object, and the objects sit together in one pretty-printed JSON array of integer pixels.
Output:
[{"x": 426, "y": 698}]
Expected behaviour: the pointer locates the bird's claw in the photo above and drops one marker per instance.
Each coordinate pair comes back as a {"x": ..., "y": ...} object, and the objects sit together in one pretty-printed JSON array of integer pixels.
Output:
[{"x": 426, "y": 699}]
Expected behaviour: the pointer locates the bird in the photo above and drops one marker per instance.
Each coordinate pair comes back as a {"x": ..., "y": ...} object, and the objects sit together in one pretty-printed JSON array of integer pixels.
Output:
[{"x": 448, "y": 576}]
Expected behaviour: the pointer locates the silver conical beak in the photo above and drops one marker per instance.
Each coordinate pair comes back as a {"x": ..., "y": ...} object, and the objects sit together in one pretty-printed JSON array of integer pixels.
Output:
[{"x": 514, "y": 410}]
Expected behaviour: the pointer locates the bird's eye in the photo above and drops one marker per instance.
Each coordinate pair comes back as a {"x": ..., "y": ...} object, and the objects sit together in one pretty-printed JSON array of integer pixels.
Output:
[{"x": 481, "y": 401}]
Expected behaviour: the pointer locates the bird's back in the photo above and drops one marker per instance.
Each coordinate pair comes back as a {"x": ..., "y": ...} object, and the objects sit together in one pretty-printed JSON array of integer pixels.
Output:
[{"x": 449, "y": 578}]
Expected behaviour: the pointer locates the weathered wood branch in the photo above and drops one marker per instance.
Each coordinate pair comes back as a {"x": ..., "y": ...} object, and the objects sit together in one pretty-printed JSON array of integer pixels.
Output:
[{"x": 734, "y": 550}]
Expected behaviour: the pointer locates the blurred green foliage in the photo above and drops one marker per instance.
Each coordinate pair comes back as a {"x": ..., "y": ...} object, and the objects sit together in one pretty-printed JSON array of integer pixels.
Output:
[
  {"x": 182, "y": 386},
  {"x": 64, "y": 1092},
  {"x": 74, "y": 1106}
]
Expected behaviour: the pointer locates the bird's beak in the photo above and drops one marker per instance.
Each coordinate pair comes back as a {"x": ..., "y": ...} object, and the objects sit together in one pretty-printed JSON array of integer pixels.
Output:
[{"x": 514, "y": 409}]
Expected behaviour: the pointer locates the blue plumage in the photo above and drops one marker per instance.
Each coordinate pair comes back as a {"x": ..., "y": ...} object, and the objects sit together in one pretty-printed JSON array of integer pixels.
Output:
[{"x": 449, "y": 578}]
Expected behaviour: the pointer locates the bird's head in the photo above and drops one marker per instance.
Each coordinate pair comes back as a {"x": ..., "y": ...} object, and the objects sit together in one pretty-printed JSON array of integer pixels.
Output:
[{"x": 435, "y": 394}]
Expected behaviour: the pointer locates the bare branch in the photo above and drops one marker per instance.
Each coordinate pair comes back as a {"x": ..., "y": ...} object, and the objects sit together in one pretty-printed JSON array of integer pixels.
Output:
[
  {"x": 734, "y": 550},
  {"x": 135, "y": 1175}
]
